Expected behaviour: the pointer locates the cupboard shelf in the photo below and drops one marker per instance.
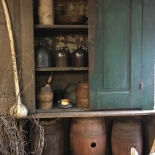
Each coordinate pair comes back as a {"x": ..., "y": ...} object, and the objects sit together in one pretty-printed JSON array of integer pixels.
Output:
[
  {"x": 61, "y": 26},
  {"x": 84, "y": 112},
  {"x": 47, "y": 30},
  {"x": 62, "y": 69},
  {"x": 57, "y": 109}
]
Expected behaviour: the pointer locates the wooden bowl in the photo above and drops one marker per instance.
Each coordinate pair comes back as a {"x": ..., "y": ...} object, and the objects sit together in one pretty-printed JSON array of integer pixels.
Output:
[{"x": 72, "y": 19}]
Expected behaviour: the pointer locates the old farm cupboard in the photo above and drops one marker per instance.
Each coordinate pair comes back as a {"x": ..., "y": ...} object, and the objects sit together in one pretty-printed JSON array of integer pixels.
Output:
[
  {"x": 120, "y": 38},
  {"x": 121, "y": 51}
]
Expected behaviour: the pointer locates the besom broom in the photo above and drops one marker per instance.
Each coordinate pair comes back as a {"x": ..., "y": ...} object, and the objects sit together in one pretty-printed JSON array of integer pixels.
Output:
[{"x": 18, "y": 110}]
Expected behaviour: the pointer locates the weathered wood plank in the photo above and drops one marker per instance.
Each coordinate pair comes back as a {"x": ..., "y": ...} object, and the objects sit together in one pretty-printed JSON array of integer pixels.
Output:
[
  {"x": 61, "y": 26},
  {"x": 43, "y": 30},
  {"x": 148, "y": 123},
  {"x": 39, "y": 32},
  {"x": 5, "y": 54},
  {"x": 62, "y": 69},
  {"x": 27, "y": 49},
  {"x": 91, "y": 113},
  {"x": 17, "y": 36},
  {"x": 6, "y": 83}
]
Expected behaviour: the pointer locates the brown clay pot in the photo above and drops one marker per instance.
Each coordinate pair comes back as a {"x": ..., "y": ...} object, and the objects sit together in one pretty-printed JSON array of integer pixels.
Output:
[
  {"x": 62, "y": 57},
  {"x": 45, "y": 97},
  {"x": 79, "y": 57}
]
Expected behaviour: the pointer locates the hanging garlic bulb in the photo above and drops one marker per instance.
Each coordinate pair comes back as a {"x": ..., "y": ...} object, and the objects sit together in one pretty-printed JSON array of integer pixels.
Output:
[{"x": 18, "y": 110}]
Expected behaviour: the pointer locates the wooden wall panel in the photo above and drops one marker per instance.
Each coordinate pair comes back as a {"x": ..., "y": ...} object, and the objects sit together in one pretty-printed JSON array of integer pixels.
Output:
[
  {"x": 6, "y": 75},
  {"x": 5, "y": 53},
  {"x": 148, "y": 134},
  {"x": 27, "y": 50}
]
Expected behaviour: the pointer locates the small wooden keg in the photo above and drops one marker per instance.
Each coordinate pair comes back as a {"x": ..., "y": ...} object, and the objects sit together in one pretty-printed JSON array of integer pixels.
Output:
[
  {"x": 82, "y": 95},
  {"x": 88, "y": 136},
  {"x": 54, "y": 137},
  {"x": 45, "y": 97},
  {"x": 126, "y": 133}
]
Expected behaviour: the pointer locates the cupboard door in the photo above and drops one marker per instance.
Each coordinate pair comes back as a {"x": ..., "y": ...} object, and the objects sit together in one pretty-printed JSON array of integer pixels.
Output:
[{"x": 121, "y": 54}]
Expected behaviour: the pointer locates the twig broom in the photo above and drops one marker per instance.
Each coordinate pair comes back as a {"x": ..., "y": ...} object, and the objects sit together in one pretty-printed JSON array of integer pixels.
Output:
[{"x": 18, "y": 110}]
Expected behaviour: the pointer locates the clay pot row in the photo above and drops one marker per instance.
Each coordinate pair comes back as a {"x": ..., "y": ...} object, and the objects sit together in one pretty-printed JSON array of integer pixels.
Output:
[{"x": 62, "y": 57}]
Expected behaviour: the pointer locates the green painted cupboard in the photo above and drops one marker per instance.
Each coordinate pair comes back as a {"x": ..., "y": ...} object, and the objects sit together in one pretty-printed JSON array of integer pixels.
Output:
[
  {"x": 121, "y": 46},
  {"x": 121, "y": 41}
]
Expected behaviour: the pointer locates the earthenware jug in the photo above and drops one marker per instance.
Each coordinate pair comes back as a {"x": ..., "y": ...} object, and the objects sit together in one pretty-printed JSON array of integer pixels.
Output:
[
  {"x": 42, "y": 56},
  {"x": 62, "y": 57},
  {"x": 79, "y": 57}
]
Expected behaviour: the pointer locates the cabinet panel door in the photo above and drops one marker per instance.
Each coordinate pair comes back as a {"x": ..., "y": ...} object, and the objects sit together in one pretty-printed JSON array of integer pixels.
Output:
[
  {"x": 116, "y": 54},
  {"x": 148, "y": 51}
]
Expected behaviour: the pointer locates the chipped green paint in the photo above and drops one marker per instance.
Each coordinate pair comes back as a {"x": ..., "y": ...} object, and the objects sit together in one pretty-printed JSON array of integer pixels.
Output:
[{"x": 124, "y": 55}]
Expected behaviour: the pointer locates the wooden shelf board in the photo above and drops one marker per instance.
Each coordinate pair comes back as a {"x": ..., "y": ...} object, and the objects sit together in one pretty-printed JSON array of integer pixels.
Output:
[
  {"x": 57, "y": 109},
  {"x": 63, "y": 69},
  {"x": 61, "y": 26},
  {"x": 50, "y": 30},
  {"x": 84, "y": 112}
]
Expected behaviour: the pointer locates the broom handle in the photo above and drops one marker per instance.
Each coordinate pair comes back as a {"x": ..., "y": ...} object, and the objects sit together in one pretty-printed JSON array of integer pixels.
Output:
[{"x": 13, "y": 55}]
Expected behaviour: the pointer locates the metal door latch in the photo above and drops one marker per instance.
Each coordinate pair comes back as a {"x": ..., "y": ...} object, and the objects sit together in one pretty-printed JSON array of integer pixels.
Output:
[{"x": 141, "y": 85}]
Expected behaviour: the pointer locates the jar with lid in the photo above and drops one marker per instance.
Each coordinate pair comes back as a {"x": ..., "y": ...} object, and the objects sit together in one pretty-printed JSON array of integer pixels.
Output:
[
  {"x": 62, "y": 57},
  {"x": 42, "y": 56},
  {"x": 79, "y": 57}
]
